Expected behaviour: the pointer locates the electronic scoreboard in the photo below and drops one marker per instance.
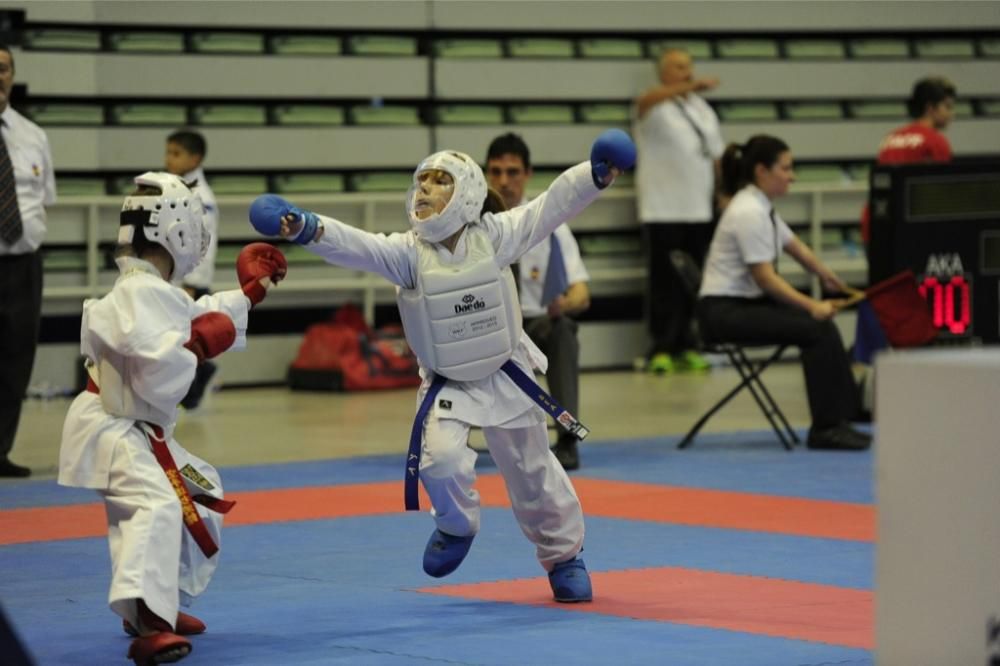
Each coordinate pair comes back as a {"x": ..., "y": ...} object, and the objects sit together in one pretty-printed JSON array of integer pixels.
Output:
[{"x": 942, "y": 221}]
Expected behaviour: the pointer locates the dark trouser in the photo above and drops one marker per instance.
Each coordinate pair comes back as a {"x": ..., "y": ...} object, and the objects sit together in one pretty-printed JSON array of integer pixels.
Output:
[
  {"x": 669, "y": 306},
  {"x": 833, "y": 395},
  {"x": 557, "y": 338},
  {"x": 20, "y": 312}
]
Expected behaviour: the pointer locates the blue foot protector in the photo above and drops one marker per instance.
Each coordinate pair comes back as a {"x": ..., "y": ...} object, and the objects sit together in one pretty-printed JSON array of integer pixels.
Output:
[
  {"x": 570, "y": 582},
  {"x": 445, "y": 552}
]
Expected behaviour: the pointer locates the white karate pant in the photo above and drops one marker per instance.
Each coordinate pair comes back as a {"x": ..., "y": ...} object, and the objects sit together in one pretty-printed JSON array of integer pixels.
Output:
[
  {"x": 541, "y": 495},
  {"x": 153, "y": 556}
]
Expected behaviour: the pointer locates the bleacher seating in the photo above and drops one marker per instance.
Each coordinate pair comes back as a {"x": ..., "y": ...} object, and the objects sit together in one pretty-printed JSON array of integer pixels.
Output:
[
  {"x": 747, "y": 111},
  {"x": 879, "y": 47},
  {"x": 539, "y": 47},
  {"x": 297, "y": 183},
  {"x": 814, "y": 110},
  {"x": 747, "y": 48},
  {"x": 989, "y": 47},
  {"x": 611, "y": 48},
  {"x": 469, "y": 114},
  {"x": 309, "y": 114},
  {"x": 58, "y": 39},
  {"x": 382, "y": 45},
  {"x": 340, "y": 98},
  {"x": 815, "y": 49},
  {"x": 877, "y": 109},
  {"x": 65, "y": 114},
  {"x": 239, "y": 184},
  {"x": 535, "y": 114},
  {"x": 167, "y": 115},
  {"x": 380, "y": 181},
  {"x": 146, "y": 41},
  {"x": 297, "y": 45},
  {"x": 378, "y": 114},
  {"x": 229, "y": 114},
  {"x": 700, "y": 49},
  {"x": 944, "y": 48},
  {"x": 468, "y": 48},
  {"x": 227, "y": 42},
  {"x": 605, "y": 114}
]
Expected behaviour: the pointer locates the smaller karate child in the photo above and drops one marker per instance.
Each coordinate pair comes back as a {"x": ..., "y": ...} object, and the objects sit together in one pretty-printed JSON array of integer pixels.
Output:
[{"x": 142, "y": 343}]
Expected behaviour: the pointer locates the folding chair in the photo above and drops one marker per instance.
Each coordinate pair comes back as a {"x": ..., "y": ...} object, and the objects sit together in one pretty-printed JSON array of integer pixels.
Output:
[{"x": 748, "y": 369}]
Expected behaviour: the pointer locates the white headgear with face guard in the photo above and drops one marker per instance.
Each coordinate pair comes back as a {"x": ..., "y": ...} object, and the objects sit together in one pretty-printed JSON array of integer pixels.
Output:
[
  {"x": 173, "y": 219},
  {"x": 466, "y": 202}
]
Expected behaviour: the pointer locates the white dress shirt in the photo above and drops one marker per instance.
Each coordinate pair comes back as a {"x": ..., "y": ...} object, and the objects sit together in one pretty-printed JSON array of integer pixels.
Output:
[
  {"x": 675, "y": 171},
  {"x": 745, "y": 236},
  {"x": 533, "y": 266},
  {"x": 33, "y": 174},
  {"x": 203, "y": 274}
]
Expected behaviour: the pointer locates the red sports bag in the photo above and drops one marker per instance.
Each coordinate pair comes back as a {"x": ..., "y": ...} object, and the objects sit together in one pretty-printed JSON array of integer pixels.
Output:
[{"x": 345, "y": 354}]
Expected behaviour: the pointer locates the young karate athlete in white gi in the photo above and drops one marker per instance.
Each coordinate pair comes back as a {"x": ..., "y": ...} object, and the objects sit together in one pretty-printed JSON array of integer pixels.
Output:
[
  {"x": 142, "y": 343},
  {"x": 461, "y": 316}
]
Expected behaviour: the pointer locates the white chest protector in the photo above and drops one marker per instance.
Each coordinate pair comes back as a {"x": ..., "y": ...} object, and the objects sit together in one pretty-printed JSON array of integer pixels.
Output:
[{"x": 463, "y": 321}]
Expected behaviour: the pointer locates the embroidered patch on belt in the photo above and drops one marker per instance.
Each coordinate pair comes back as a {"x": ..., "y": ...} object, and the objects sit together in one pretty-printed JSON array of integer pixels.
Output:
[
  {"x": 444, "y": 404},
  {"x": 194, "y": 476}
]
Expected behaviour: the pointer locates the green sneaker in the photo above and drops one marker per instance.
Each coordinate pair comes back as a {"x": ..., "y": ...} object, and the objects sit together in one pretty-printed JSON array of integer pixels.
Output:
[
  {"x": 692, "y": 360},
  {"x": 660, "y": 364}
]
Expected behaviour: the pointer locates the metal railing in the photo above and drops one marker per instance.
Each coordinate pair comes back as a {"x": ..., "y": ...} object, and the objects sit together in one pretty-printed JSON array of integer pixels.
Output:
[{"x": 92, "y": 221}]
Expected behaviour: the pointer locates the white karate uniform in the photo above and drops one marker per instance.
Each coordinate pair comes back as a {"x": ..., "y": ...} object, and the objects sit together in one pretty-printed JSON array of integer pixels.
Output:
[
  {"x": 204, "y": 273},
  {"x": 137, "y": 333},
  {"x": 542, "y": 497}
]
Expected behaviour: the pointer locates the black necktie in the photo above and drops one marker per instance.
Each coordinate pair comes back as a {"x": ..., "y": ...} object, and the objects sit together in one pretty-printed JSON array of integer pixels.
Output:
[
  {"x": 11, "y": 228},
  {"x": 777, "y": 249}
]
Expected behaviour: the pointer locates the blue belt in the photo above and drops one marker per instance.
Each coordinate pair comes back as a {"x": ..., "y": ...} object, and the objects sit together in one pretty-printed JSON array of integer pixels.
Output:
[{"x": 523, "y": 381}]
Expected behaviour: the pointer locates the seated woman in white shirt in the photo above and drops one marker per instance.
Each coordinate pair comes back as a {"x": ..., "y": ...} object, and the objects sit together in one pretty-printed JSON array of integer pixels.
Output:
[{"x": 744, "y": 299}]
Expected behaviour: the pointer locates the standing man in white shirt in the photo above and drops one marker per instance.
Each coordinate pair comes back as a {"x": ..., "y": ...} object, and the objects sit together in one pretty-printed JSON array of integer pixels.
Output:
[
  {"x": 679, "y": 143},
  {"x": 27, "y": 185},
  {"x": 549, "y": 298}
]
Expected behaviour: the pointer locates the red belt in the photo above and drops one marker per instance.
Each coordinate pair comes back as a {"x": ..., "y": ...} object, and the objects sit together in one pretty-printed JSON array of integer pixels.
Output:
[{"x": 192, "y": 519}]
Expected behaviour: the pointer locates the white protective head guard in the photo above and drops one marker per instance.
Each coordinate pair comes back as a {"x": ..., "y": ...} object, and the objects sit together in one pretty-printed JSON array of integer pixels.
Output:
[
  {"x": 173, "y": 219},
  {"x": 466, "y": 202}
]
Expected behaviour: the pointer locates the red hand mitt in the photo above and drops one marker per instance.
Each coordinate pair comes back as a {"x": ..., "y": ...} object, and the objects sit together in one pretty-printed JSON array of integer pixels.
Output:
[
  {"x": 211, "y": 334},
  {"x": 257, "y": 261}
]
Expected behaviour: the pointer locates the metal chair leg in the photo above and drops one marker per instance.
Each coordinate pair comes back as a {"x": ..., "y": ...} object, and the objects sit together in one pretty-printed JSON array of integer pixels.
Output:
[
  {"x": 760, "y": 393},
  {"x": 750, "y": 378}
]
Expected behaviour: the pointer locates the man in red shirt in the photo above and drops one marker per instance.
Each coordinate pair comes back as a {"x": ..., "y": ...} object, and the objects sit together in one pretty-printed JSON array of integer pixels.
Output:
[{"x": 932, "y": 106}]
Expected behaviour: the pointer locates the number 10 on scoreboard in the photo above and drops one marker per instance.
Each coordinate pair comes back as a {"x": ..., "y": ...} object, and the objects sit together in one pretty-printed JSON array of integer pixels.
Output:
[{"x": 947, "y": 288}]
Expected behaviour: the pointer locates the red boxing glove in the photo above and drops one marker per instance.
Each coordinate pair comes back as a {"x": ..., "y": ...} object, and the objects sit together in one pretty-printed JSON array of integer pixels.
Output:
[
  {"x": 211, "y": 334},
  {"x": 257, "y": 261}
]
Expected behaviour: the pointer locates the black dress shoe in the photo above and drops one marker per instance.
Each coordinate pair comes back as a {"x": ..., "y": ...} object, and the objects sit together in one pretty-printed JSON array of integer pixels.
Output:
[
  {"x": 10, "y": 470},
  {"x": 840, "y": 437},
  {"x": 567, "y": 454}
]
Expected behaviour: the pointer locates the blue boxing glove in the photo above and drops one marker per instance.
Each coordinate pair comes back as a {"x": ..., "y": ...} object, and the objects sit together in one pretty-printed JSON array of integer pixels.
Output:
[
  {"x": 613, "y": 148},
  {"x": 266, "y": 213}
]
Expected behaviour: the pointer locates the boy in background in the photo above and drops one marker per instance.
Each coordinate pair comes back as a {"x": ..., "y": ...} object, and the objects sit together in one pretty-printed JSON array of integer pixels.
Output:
[{"x": 184, "y": 156}]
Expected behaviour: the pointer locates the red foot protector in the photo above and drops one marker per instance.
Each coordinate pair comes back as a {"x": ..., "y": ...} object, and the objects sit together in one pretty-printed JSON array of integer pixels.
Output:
[
  {"x": 162, "y": 648},
  {"x": 187, "y": 625}
]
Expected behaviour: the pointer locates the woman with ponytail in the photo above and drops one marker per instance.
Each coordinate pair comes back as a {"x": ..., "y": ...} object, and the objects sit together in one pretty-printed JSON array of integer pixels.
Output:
[{"x": 744, "y": 299}]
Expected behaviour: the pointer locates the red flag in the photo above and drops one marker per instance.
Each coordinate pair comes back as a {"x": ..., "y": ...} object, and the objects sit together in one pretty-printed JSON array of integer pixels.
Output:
[{"x": 902, "y": 311}]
